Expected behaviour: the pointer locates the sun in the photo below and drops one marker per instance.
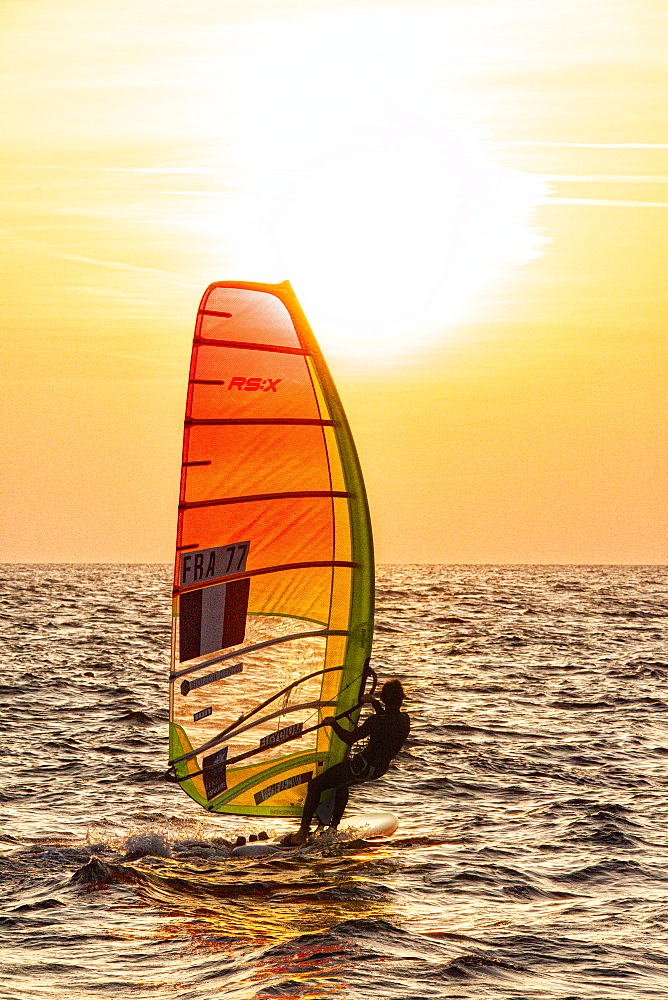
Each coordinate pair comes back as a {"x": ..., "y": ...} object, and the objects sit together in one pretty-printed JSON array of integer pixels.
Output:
[{"x": 386, "y": 211}]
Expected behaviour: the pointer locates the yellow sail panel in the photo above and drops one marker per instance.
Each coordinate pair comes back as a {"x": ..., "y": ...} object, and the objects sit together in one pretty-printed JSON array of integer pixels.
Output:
[{"x": 273, "y": 577}]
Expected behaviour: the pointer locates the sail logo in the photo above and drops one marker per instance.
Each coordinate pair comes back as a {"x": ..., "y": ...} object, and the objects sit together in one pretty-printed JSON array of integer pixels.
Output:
[
  {"x": 217, "y": 675},
  {"x": 254, "y": 384},
  {"x": 282, "y": 736},
  {"x": 282, "y": 786},
  {"x": 213, "y": 773}
]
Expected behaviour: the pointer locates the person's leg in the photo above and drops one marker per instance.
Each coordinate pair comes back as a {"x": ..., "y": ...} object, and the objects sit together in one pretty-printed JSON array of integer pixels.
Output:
[
  {"x": 315, "y": 790},
  {"x": 340, "y": 802},
  {"x": 333, "y": 777},
  {"x": 368, "y": 773}
]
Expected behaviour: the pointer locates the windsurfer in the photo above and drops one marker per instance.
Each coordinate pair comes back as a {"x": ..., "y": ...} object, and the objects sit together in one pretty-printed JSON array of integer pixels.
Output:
[{"x": 387, "y": 730}]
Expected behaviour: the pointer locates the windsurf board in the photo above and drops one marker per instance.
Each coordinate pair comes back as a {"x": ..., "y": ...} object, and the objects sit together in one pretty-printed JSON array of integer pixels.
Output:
[{"x": 362, "y": 826}]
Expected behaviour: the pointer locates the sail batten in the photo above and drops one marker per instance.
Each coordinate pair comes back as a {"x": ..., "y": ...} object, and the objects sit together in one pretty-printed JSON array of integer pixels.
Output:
[
  {"x": 259, "y": 421},
  {"x": 247, "y": 346},
  {"x": 260, "y": 496},
  {"x": 276, "y": 569},
  {"x": 320, "y": 634},
  {"x": 272, "y": 491}
]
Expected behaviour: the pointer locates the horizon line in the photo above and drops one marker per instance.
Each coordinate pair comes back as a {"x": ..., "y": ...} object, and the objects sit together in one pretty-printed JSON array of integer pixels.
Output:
[{"x": 170, "y": 564}]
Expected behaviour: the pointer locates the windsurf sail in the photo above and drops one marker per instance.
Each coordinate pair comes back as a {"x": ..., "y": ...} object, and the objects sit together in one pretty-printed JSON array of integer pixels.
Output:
[{"x": 273, "y": 579}]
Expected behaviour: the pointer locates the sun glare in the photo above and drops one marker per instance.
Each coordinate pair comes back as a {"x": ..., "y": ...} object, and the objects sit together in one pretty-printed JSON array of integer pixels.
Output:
[{"x": 383, "y": 207}]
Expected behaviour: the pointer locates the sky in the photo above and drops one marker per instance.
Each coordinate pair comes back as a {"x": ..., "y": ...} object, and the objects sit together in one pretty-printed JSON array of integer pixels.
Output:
[{"x": 468, "y": 197}]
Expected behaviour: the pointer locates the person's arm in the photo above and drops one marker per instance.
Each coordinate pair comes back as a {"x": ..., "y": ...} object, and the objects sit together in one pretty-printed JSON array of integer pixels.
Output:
[{"x": 349, "y": 736}]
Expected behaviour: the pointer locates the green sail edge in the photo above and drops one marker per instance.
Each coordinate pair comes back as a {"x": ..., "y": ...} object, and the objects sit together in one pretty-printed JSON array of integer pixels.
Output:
[{"x": 362, "y": 597}]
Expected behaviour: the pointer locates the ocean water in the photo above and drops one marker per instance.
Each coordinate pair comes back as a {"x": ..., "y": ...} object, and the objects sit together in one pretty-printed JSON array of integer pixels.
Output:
[{"x": 531, "y": 860}]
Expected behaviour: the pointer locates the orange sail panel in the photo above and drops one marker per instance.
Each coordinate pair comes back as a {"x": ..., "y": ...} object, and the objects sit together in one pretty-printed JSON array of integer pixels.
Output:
[{"x": 273, "y": 577}]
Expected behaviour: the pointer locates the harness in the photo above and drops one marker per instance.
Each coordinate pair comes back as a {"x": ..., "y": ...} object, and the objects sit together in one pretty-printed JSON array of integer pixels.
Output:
[{"x": 361, "y": 769}]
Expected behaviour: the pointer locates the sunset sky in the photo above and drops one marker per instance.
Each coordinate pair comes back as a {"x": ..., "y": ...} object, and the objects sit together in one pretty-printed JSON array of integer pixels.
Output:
[{"x": 469, "y": 198}]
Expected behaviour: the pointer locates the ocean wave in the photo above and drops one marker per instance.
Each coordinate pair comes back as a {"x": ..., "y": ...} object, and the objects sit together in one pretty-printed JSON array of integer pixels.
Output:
[{"x": 532, "y": 803}]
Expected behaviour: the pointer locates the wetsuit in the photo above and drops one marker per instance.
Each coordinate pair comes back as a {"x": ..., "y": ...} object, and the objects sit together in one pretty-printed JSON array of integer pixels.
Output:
[{"x": 387, "y": 731}]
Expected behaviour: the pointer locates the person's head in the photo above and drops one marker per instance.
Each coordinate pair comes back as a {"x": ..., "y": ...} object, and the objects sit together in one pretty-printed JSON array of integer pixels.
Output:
[{"x": 392, "y": 694}]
